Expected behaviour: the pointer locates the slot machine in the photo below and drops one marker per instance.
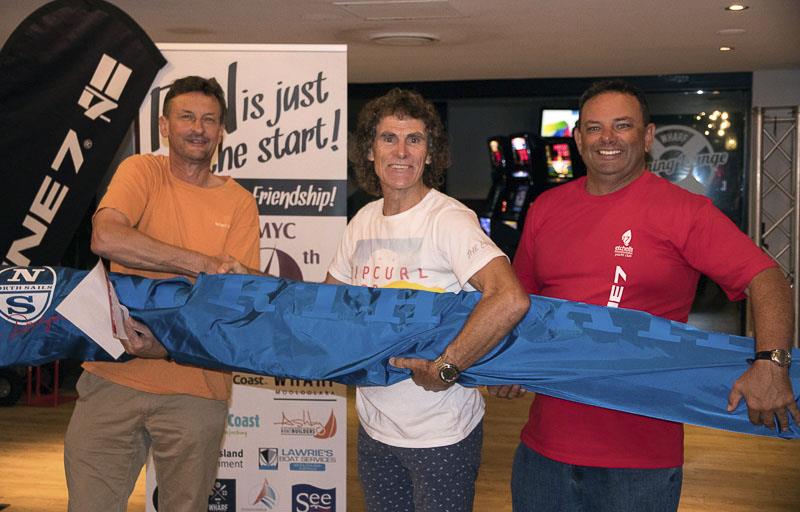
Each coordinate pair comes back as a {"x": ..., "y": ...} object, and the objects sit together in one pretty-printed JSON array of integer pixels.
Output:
[
  {"x": 557, "y": 154},
  {"x": 499, "y": 155},
  {"x": 509, "y": 215}
]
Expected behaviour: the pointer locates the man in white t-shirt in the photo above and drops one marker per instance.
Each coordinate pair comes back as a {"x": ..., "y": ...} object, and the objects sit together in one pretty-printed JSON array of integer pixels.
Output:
[{"x": 420, "y": 440}]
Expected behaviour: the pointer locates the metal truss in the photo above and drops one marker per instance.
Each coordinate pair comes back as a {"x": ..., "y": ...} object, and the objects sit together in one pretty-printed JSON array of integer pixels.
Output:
[{"x": 775, "y": 192}]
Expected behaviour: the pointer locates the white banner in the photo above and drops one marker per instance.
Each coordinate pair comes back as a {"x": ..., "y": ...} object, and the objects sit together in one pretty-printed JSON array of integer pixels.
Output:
[{"x": 285, "y": 446}]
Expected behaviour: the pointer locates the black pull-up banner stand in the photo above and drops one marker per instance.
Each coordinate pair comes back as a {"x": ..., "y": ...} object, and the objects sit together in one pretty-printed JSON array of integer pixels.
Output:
[{"x": 73, "y": 76}]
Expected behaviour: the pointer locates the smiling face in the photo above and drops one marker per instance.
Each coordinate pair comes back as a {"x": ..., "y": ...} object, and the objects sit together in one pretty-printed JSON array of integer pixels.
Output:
[
  {"x": 613, "y": 139},
  {"x": 400, "y": 153},
  {"x": 193, "y": 126}
]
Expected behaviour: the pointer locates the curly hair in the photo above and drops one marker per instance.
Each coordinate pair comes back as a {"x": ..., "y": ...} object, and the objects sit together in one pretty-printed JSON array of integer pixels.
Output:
[
  {"x": 400, "y": 103},
  {"x": 208, "y": 86}
]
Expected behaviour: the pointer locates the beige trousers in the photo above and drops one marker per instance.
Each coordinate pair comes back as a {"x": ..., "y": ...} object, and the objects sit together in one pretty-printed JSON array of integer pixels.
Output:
[{"x": 113, "y": 427}]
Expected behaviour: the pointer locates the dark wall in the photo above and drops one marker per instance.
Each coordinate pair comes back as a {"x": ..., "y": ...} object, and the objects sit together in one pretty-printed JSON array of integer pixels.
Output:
[{"x": 476, "y": 110}]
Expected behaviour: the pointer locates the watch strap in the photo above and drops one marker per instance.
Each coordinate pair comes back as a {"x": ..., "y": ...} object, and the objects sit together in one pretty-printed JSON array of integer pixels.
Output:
[{"x": 778, "y": 356}]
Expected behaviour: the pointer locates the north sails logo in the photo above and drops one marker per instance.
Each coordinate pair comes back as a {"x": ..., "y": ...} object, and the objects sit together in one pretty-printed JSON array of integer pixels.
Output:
[
  {"x": 625, "y": 250},
  {"x": 26, "y": 293}
]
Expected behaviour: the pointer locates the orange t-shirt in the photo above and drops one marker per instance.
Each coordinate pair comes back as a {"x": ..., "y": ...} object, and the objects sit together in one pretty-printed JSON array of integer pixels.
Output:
[{"x": 212, "y": 221}]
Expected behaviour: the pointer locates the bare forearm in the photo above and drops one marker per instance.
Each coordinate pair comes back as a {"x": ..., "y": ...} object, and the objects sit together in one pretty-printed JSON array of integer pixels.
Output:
[
  {"x": 488, "y": 323},
  {"x": 765, "y": 386},
  {"x": 771, "y": 301},
  {"x": 502, "y": 305},
  {"x": 129, "y": 247}
]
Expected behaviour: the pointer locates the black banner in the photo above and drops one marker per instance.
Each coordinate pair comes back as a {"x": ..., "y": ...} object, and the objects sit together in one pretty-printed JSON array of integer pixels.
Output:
[{"x": 74, "y": 74}]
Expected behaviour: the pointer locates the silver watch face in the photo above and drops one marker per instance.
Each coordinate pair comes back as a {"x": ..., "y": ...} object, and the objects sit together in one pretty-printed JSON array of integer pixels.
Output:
[
  {"x": 448, "y": 373},
  {"x": 781, "y": 357}
]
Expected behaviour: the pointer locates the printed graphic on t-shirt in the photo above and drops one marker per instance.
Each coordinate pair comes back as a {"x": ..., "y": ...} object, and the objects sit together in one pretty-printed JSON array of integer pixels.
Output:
[
  {"x": 388, "y": 263},
  {"x": 620, "y": 277},
  {"x": 626, "y": 249}
]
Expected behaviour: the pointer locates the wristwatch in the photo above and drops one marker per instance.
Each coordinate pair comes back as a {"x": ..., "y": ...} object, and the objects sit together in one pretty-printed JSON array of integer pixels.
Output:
[
  {"x": 448, "y": 372},
  {"x": 782, "y": 358}
]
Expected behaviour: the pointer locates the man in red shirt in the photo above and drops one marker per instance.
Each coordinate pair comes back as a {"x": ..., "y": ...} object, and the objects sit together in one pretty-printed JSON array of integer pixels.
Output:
[{"x": 623, "y": 237}]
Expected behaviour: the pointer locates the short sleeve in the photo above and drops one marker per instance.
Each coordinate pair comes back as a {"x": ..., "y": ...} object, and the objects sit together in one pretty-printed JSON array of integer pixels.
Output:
[
  {"x": 244, "y": 238},
  {"x": 715, "y": 246},
  {"x": 340, "y": 266},
  {"x": 462, "y": 242},
  {"x": 129, "y": 189},
  {"x": 523, "y": 258}
]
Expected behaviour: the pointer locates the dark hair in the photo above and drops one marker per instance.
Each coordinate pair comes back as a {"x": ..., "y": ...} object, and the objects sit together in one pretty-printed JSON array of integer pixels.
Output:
[
  {"x": 620, "y": 86},
  {"x": 208, "y": 86},
  {"x": 400, "y": 103}
]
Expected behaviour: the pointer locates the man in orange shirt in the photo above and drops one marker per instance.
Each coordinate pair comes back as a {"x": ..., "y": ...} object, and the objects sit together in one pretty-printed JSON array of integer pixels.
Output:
[{"x": 161, "y": 217}]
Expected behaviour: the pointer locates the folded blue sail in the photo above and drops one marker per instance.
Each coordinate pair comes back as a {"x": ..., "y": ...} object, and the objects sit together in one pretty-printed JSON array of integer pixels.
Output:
[{"x": 615, "y": 358}]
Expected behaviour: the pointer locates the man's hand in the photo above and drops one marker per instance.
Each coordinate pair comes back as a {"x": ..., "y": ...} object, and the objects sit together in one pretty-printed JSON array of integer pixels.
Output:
[
  {"x": 141, "y": 342},
  {"x": 423, "y": 372},
  {"x": 230, "y": 265},
  {"x": 767, "y": 391},
  {"x": 509, "y": 391}
]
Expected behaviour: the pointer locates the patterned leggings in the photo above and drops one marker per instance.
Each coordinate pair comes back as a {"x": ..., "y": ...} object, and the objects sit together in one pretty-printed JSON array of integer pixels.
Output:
[{"x": 440, "y": 479}]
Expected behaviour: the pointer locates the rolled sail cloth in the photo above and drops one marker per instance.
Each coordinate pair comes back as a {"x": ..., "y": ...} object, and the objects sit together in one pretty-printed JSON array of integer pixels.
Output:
[{"x": 615, "y": 358}]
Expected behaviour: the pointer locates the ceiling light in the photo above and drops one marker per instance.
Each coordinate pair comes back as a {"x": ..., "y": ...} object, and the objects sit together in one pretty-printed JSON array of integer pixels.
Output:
[
  {"x": 190, "y": 31},
  {"x": 736, "y": 7},
  {"x": 726, "y": 48},
  {"x": 731, "y": 32},
  {"x": 403, "y": 39}
]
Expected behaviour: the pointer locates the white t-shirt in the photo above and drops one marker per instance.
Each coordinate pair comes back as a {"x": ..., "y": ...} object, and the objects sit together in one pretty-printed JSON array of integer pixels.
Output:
[{"x": 437, "y": 246}]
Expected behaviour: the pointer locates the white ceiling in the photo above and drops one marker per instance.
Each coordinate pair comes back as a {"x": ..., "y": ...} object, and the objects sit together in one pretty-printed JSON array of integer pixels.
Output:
[{"x": 487, "y": 39}]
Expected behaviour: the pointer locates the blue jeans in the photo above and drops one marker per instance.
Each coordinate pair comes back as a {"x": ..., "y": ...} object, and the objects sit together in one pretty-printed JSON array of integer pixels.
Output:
[
  {"x": 539, "y": 484},
  {"x": 440, "y": 479}
]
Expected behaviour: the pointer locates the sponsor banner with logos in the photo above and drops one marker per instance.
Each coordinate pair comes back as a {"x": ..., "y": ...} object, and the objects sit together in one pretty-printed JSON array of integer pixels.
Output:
[
  {"x": 301, "y": 442},
  {"x": 74, "y": 73},
  {"x": 285, "y": 137},
  {"x": 703, "y": 153},
  {"x": 286, "y": 143},
  {"x": 285, "y": 448}
]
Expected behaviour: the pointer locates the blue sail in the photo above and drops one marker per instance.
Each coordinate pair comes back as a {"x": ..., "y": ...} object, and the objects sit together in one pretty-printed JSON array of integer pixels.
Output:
[{"x": 614, "y": 358}]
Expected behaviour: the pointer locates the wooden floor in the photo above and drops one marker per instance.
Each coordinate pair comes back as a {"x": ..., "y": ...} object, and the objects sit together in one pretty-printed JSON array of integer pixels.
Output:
[{"x": 724, "y": 472}]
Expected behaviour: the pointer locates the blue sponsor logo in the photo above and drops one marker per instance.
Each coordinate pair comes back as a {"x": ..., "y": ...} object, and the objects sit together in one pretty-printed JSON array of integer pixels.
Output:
[
  {"x": 307, "y": 498},
  {"x": 244, "y": 421},
  {"x": 306, "y": 466}
]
